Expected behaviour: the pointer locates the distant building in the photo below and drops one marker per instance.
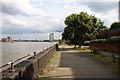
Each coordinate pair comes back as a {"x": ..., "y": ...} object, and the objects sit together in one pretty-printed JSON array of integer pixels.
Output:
[
  {"x": 4, "y": 40},
  {"x": 9, "y": 38},
  {"x": 19, "y": 40},
  {"x": 51, "y": 37}
]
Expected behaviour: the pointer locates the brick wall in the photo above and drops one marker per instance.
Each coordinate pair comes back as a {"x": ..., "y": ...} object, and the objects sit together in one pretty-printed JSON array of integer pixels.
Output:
[{"x": 114, "y": 48}]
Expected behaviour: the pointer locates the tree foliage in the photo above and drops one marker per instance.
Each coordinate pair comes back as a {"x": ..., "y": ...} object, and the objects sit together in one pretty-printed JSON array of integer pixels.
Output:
[
  {"x": 81, "y": 27},
  {"x": 103, "y": 34},
  {"x": 115, "y": 25}
]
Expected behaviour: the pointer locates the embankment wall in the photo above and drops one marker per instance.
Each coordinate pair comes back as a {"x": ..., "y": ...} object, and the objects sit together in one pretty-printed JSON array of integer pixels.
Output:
[{"x": 27, "y": 69}]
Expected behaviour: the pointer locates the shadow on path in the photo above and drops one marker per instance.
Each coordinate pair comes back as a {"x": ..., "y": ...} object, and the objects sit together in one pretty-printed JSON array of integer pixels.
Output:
[
  {"x": 65, "y": 49},
  {"x": 73, "y": 65}
]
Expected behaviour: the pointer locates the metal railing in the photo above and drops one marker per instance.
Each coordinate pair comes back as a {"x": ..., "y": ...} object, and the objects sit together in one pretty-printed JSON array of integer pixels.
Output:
[{"x": 12, "y": 62}]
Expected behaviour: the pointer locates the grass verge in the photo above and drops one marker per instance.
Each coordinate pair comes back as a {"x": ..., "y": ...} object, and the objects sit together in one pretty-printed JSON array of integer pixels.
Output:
[{"x": 43, "y": 70}]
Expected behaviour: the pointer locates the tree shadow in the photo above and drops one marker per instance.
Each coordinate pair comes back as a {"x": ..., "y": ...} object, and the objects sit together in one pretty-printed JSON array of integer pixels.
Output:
[
  {"x": 83, "y": 66},
  {"x": 65, "y": 49}
]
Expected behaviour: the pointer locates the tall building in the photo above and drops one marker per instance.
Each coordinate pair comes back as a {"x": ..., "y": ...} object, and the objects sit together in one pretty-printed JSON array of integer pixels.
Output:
[
  {"x": 51, "y": 36},
  {"x": 9, "y": 38}
]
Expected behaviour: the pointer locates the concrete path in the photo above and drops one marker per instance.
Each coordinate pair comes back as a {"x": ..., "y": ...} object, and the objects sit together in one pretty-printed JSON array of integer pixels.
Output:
[{"x": 69, "y": 63}]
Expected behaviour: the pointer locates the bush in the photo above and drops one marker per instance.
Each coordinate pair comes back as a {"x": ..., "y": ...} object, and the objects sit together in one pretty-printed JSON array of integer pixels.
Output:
[
  {"x": 98, "y": 41},
  {"x": 86, "y": 43},
  {"x": 111, "y": 40},
  {"x": 115, "y": 25},
  {"x": 94, "y": 50}
]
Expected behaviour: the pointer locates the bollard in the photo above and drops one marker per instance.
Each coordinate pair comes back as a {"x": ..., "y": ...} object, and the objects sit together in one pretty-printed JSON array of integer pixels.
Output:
[
  {"x": 57, "y": 47},
  {"x": 12, "y": 66},
  {"x": 113, "y": 56},
  {"x": 34, "y": 54}
]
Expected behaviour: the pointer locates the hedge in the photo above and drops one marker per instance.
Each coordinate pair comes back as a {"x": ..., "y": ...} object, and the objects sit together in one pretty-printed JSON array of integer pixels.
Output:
[{"x": 110, "y": 40}]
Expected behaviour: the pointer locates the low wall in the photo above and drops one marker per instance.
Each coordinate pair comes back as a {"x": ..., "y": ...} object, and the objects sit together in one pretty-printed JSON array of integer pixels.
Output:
[
  {"x": 114, "y": 48},
  {"x": 28, "y": 69}
]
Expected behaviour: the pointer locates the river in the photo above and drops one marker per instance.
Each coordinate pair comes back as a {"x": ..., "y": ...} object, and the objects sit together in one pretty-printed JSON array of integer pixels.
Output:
[{"x": 13, "y": 51}]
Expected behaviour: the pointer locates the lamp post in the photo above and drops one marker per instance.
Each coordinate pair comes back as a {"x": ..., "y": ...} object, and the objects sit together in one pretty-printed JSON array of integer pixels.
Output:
[
  {"x": 51, "y": 37},
  {"x": 119, "y": 12}
]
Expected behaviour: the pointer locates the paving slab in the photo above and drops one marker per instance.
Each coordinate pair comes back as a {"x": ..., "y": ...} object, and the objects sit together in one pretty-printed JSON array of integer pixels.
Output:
[{"x": 69, "y": 63}]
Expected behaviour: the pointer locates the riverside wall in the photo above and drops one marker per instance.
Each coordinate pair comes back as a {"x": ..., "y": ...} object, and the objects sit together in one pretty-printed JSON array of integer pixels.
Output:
[{"x": 29, "y": 68}]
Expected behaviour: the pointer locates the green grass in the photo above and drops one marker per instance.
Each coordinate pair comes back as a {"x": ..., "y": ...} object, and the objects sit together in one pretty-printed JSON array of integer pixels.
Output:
[{"x": 43, "y": 70}]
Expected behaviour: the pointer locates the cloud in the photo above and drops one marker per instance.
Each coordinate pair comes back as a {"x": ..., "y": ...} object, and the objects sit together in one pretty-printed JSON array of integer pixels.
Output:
[
  {"x": 109, "y": 17},
  {"x": 101, "y": 7},
  {"x": 21, "y": 7},
  {"x": 13, "y": 20},
  {"x": 21, "y": 24},
  {"x": 41, "y": 16},
  {"x": 74, "y": 1},
  {"x": 106, "y": 11},
  {"x": 16, "y": 30},
  {"x": 22, "y": 15},
  {"x": 41, "y": 36}
]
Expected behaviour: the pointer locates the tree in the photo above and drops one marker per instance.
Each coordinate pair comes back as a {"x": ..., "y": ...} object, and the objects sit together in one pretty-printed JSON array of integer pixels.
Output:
[
  {"x": 115, "y": 25},
  {"x": 81, "y": 27},
  {"x": 103, "y": 34}
]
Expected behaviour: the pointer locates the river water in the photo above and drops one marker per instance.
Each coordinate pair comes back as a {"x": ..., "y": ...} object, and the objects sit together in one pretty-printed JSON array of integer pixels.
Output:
[{"x": 13, "y": 51}]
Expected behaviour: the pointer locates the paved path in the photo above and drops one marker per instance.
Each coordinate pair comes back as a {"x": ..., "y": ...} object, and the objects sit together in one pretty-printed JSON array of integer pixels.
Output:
[{"x": 71, "y": 64}]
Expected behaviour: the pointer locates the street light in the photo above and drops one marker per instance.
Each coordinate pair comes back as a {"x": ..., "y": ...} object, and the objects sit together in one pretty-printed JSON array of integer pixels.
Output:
[{"x": 119, "y": 11}]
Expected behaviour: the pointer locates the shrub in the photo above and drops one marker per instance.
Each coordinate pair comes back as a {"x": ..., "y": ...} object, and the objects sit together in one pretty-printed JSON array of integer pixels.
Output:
[
  {"x": 111, "y": 40},
  {"x": 94, "y": 50}
]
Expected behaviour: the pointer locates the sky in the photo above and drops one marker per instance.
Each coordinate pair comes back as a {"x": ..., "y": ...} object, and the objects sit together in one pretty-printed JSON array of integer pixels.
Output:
[{"x": 36, "y": 19}]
